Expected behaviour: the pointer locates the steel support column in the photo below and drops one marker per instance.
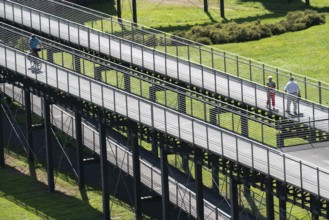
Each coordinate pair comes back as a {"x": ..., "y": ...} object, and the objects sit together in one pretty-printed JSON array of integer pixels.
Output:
[
  {"x": 28, "y": 118},
  {"x": 221, "y": 6},
  {"x": 234, "y": 198},
  {"x": 49, "y": 147},
  {"x": 119, "y": 9},
  {"x": 77, "y": 64},
  {"x": 205, "y": 5},
  {"x": 104, "y": 168},
  {"x": 214, "y": 172},
  {"x": 126, "y": 79},
  {"x": 50, "y": 56},
  {"x": 244, "y": 126},
  {"x": 133, "y": 137},
  {"x": 78, "y": 137},
  {"x": 2, "y": 146},
  {"x": 164, "y": 179},
  {"x": 315, "y": 207},
  {"x": 269, "y": 199},
  {"x": 181, "y": 101},
  {"x": 198, "y": 157},
  {"x": 155, "y": 143},
  {"x": 134, "y": 5},
  {"x": 282, "y": 195}
]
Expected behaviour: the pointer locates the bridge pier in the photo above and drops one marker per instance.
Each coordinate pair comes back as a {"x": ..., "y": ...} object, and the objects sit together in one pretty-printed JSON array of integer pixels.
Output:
[
  {"x": 50, "y": 56},
  {"x": 198, "y": 158},
  {"x": 104, "y": 167},
  {"x": 164, "y": 178},
  {"x": 79, "y": 145},
  {"x": 49, "y": 148},
  {"x": 133, "y": 139},
  {"x": 2, "y": 146},
  {"x": 28, "y": 118},
  {"x": 154, "y": 142}
]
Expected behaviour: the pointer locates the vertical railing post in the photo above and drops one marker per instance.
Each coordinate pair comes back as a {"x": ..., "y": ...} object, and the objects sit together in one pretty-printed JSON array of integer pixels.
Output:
[{"x": 320, "y": 92}]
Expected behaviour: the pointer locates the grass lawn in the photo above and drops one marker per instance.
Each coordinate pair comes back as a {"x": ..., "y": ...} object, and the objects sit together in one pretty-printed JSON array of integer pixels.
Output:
[{"x": 24, "y": 195}]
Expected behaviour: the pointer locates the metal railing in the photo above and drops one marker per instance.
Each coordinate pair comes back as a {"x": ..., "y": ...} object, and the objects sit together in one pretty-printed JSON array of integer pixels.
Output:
[
  {"x": 205, "y": 136},
  {"x": 219, "y": 83},
  {"x": 222, "y": 114},
  {"x": 119, "y": 156},
  {"x": 311, "y": 89}
]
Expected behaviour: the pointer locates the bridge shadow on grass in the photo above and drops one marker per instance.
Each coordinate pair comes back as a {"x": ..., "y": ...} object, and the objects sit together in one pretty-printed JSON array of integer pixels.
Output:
[{"x": 32, "y": 195}]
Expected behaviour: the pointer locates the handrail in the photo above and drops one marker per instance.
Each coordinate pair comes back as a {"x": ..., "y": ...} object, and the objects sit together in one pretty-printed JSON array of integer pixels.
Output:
[
  {"x": 227, "y": 62},
  {"x": 208, "y": 137},
  {"x": 113, "y": 155},
  {"x": 221, "y": 83}
]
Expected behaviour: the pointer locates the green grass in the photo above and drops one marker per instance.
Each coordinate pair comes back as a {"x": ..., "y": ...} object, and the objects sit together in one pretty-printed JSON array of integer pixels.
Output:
[{"x": 25, "y": 196}]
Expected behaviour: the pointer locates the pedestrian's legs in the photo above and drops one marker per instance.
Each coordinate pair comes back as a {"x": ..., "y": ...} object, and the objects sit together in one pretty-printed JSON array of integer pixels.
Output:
[
  {"x": 288, "y": 102},
  {"x": 273, "y": 99}
]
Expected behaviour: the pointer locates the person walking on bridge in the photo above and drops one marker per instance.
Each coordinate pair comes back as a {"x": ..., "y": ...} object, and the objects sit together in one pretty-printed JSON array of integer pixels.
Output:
[
  {"x": 35, "y": 45},
  {"x": 270, "y": 93},
  {"x": 293, "y": 90}
]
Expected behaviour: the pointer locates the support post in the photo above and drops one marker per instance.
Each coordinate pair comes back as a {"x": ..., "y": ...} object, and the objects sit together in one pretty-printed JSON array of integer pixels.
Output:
[
  {"x": 2, "y": 146},
  {"x": 155, "y": 143},
  {"x": 181, "y": 102},
  {"x": 244, "y": 126},
  {"x": 269, "y": 199},
  {"x": 214, "y": 172},
  {"x": 282, "y": 194},
  {"x": 205, "y": 5},
  {"x": 134, "y": 11},
  {"x": 198, "y": 157},
  {"x": 77, "y": 64},
  {"x": 221, "y": 6},
  {"x": 50, "y": 56},
  {"x": 315, "y": 207},
  {"x": 119, "y": 9},
  {"x": 133, "y": 136},
  {"x": 126, "y": 78},
  {"x": 164, "y": 178},
  {"x": 28, "y": 118},
  {"x": 104, "y": 168},
  {"x": 78, "y": 136},
  {"x": 49, "y": 147},
  {"x": 234, "y": 198}
]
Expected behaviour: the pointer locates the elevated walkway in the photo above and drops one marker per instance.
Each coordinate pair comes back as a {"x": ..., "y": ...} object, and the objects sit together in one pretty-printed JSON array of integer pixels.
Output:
[{"x": 200, "y": 134}]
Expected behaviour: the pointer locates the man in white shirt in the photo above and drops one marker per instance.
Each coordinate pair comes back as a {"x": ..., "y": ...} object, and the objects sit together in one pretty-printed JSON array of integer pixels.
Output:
[{"x": 292, "y": 88}]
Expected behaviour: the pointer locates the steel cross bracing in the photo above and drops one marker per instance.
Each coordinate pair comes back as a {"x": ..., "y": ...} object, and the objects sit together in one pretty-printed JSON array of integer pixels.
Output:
[
  {"x": 119, "y": 156},
  {"x": 213, "y": 107},
  {"x": 202, "y": 135},
  {"x": 205, "y": 78},
  {"x": 227, "y": 62}
]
